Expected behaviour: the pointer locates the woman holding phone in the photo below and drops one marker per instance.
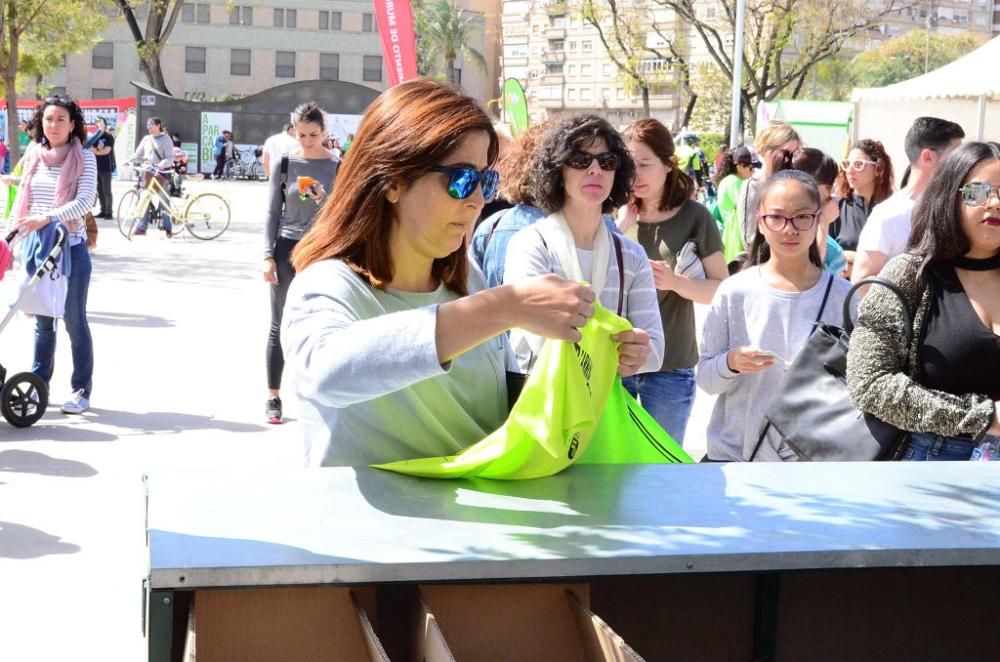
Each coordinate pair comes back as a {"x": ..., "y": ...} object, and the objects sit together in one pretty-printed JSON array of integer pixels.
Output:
[
  {"x": 761, "y": 317},
  {"x": 299, "y": 185}
]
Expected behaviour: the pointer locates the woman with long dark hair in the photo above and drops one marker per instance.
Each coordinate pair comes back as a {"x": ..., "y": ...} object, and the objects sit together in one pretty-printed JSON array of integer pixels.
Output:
[
  {"x": 939, "y": 377},
  {"x": 299, "y": 183},
  {"x": 865, "y": 180},
  {"x": 58, "y": 184},
  {"x": 671, "y": 228},
  {"x": 761, "y": 317},
  {"x": 395, "y": 347}
]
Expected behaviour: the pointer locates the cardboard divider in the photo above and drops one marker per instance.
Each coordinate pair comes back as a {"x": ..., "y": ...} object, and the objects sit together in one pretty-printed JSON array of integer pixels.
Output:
[
  {"x": 318, "y": 624},
  {"x": 501, "y": 622}
]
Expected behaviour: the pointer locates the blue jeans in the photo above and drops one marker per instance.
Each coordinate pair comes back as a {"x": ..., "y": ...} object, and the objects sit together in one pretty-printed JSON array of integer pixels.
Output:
[
  {"x": 667, "y": 396},
  {"x": 927, "y": 447},
  {"x": 76, "y": 325}
]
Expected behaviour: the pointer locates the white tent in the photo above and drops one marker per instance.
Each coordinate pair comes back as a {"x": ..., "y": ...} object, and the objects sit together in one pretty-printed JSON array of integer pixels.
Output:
[{"x": 966, "y": 91}]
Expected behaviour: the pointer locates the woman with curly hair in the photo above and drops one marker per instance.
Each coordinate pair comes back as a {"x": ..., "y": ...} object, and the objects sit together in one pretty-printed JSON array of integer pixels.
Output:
[
  {"x": 583, "y": 171},
  {"x": 865, "y": 180},
  {"x": 58, "y": 184}
]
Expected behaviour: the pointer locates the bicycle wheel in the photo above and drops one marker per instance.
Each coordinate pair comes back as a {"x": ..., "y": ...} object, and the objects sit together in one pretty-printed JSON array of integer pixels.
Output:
[
  {"x": 256, "y": 171},
  {"x": 206, "y": 215},
  {"x": 126, "y": 216}
]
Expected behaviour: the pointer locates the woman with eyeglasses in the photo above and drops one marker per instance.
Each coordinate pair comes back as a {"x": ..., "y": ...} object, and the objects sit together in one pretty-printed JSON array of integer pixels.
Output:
[
  {"x": 761, "y": 317},
  {"x": 865, "y": 180},
  {"x": 58, "y": 184},
  {"x": 395, "y": 347},
  {"x": 583, "y": 171},
  {"x": 938, "y": 376},
  {"x": 299, "y": 183}
]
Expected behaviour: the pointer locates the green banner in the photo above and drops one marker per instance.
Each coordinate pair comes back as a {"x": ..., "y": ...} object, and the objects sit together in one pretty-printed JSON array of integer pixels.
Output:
[{"x": 516, "y": 104}]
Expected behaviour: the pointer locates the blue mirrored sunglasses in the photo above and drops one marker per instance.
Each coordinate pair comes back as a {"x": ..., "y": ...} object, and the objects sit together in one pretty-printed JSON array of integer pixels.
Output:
[{"x": 462, "y": 181}]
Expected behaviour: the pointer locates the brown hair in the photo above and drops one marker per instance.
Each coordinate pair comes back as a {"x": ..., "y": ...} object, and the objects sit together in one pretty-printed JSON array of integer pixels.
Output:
[
  {"x": 678, "y": 187},
  {"x": 406, "y": 131},
  {"x": 774, "y": 135},
  {"x": 883, "y": 172},
  {"x": 515, "y": 165}
]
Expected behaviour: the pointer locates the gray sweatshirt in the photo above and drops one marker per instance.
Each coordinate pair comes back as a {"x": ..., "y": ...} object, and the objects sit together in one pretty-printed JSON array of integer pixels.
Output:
[
  {"x": 746, "y": 311},
  {"x": 292, "y": 219}
]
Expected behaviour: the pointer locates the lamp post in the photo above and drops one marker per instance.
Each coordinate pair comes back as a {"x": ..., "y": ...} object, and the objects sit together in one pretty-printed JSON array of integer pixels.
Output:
[{"x": 734, "y": 122}]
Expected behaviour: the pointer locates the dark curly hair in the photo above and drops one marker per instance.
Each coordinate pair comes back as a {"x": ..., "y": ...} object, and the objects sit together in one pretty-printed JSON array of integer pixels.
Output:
[
  {"x": 563, "y": 140},
  {"x": 35, "y": 126},
  {"x": 883, "y": 172}
]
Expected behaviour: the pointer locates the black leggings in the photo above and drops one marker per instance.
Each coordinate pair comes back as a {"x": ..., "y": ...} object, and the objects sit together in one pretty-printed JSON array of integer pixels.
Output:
[{"x": 275, "y": 357}]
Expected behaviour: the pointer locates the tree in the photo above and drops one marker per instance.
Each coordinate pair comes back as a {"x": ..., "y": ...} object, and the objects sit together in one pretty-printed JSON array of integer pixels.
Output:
[
  {"x": 34, "y": 36},
  {"x": 448, "y": 36},
  {"x": 904, "y": 57},
  {"x": 160, "y": 21},
  {"x": 784, "y": 39},
  {"x": 646, "y": 51}
]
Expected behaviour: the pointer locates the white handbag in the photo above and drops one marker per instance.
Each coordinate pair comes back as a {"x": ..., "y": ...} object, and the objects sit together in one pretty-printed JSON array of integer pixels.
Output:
[{"x": 47, "y": 297}]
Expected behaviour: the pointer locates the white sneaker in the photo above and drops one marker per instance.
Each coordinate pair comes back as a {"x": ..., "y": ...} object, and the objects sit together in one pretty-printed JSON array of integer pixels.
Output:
[{"x": 77, "y": 404}]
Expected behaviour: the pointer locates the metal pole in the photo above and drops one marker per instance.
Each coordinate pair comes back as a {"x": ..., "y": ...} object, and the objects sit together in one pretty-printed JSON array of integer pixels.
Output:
[{"x": 734, "y": 122}]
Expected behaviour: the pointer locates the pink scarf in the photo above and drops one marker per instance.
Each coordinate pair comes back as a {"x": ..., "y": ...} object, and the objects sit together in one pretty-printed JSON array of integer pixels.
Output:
[{"x": 69, "y": 155}]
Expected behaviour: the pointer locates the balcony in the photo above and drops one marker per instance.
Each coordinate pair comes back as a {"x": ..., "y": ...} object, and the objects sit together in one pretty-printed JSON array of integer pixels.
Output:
[
  {"x": 553, "y": 57},
  {"x": 556, "y": 7},
  {"x": 552, "y": 32}
]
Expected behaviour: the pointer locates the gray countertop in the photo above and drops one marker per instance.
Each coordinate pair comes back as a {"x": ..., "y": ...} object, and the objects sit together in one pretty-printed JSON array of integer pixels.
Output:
[{"x": 369, "y": 526}]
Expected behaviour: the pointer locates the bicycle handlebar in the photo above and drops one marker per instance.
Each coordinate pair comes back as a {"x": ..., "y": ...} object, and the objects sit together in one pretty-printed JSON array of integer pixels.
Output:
[{"x": 148, "y": 167}]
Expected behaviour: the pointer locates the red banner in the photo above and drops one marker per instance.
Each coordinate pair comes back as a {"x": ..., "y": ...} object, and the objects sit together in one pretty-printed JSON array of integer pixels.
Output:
[{"x": 399, "y": 44}]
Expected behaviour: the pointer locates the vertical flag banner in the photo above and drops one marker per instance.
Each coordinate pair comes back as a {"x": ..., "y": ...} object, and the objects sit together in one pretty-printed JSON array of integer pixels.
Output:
[
  {"x": 516, "y": 105},
  {"x": 399, "y": 44}
]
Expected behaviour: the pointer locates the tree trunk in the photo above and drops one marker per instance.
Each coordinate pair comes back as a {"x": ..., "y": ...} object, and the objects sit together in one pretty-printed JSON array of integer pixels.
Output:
[
  {"x": 150, "y": 65},
  {"x": 645, "y": 101},
  {"x": 692, "y": 101}
]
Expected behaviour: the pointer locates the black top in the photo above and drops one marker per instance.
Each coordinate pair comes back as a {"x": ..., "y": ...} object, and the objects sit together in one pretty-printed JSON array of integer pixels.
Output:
[
  {"x": 846, "y": 229},
  {"x": 959, "y": 354},
  {"x": 105, "y": 163}
]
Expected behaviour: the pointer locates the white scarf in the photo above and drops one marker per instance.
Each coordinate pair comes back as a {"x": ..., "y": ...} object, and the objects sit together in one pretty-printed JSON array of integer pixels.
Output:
[{"x": 558, "y": 238}]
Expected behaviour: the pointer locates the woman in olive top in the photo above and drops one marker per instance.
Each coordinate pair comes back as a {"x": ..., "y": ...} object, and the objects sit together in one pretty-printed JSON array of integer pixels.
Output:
[{"x": 671, "y": 224}]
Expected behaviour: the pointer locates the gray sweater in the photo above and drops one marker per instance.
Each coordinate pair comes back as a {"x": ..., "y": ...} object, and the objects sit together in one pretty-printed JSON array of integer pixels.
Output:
[
  {"x": 746, "y": 311},
  {"x": 294, "y": 217}
]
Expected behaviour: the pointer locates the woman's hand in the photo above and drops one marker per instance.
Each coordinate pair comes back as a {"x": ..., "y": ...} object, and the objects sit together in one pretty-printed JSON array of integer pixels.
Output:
[
  {"x": 270, "y": 271},
  {"x": 632, "y": 352},
  {"x": 7, "y": 180},
  {"x": 748, "y": 359},
  {"x": 31, "y": 223},
  {"x": 994, "y": 429},
  {"x": 550, "y": 306},
  {"x": 628, "y": 216},
  {"x": 664, "y": 277}
]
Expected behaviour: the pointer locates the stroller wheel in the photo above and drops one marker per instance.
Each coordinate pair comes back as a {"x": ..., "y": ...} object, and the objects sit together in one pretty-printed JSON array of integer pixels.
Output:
[{"x": 23, "y": 399}]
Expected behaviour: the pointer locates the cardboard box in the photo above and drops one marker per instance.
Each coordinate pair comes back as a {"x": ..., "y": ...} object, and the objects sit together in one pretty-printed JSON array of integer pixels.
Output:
[
  {"x": 314, "y": 624},
  {"x": 501, "y": 622}
]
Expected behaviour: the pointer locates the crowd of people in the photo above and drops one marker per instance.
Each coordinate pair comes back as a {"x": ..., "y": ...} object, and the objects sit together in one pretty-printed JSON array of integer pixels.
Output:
[{"x": 401, "y": 306}]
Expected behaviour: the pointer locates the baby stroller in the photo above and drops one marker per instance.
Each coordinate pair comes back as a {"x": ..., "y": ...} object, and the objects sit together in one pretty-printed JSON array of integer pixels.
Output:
[{"x": 24, "y": 397}]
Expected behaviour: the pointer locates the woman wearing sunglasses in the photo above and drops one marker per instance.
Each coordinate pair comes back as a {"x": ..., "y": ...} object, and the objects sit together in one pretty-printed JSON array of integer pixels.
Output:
[
  {"x": 939, "y": 377},
  {"x": 395, "y": 349},
  {"x": 865, "y": 180},
  {"x": 761, "y": 317},
  {"x": 583, "y": 171}
]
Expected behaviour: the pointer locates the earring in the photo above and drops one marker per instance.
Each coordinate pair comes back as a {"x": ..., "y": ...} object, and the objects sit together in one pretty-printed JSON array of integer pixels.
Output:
[{"x": 45, "y": 141}]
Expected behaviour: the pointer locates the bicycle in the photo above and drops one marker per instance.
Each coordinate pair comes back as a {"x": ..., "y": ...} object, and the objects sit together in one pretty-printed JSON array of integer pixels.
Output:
[
  {"x": 237, "y": 168},
  {"x": 204, "y": 215}
]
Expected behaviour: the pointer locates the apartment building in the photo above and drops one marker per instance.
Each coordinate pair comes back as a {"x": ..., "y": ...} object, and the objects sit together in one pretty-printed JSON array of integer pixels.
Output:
[{"x": 224, "y": 48}]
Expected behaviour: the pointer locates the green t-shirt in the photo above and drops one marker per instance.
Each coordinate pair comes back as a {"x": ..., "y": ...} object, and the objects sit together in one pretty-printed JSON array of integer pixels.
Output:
[{"x": 663, "y": 241}]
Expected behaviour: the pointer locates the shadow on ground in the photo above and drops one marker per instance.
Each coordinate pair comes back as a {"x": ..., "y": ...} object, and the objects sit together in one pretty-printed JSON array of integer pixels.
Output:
[
  {"x": 23, "y": 542},
  {"x": 32, "y": 462}
]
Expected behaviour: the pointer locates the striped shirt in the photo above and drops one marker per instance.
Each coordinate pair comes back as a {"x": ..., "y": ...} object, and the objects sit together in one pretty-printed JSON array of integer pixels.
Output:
[
  {"x": 43, "y": 196},
  {"x": 528, "y": 256}
]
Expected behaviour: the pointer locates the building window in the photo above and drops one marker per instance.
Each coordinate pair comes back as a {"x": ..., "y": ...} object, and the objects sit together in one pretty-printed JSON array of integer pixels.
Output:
[
  {"x": 284, "y": 18},
  {"x": 195, "y": 13},
  {"x": 194, "y": 59},
  {"x": 284, "y": 64},
  {"x": 329, "y": 66},
  {"x": 103, "y": 56},
  {"x": 585, "y": 94},
  {"x": 553, "y": 68},
  {"x": 204, "y": 13},
  {"x": 585, "y": 70},
  {"x": 587, "y": 46},
  {"x": 291, "y": 18},
  {"x": 368, "y": 23},
  {"x": 556, "y": 45},
  {"x": 241, "y": 16},
  {"x": 572, "y": 47},
  {"x": 335, "y": 17},
  {"x": 606, "y": 70},
  {"x": 324, "y": 20},
  {"x": 572, "y": 70},
  {"x": 102, "y": 93},
  {"x": 187, "y": 13},
  {"x": 605, "y": 93},
  {"x": 571, "y": 93},
  {"x": 239, "y": 62},
  {"x": 372, "y": 72},
  {"x": 557, "y": 21}
]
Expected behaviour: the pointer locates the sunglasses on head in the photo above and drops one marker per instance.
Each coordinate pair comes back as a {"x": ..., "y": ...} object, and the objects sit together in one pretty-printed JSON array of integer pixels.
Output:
[
  {"x": 582, "y": 160},
  {"x": 977, "y": 194},
  {"x": 462, "y": 181}
]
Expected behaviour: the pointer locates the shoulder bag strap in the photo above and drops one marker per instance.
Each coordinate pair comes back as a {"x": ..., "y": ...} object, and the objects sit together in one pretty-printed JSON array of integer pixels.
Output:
[
  {"x": 283, "y": 178},
  {"x": 822, "y": 306},
  {"x": 895, "y": 289},
  {"x": 621, "y": 271}
]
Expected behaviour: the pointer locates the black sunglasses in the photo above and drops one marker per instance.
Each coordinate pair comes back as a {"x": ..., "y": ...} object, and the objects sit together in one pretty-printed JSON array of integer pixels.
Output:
[
  {"x": 462, "y": 181},
  {"x": 582, "y": 160}
]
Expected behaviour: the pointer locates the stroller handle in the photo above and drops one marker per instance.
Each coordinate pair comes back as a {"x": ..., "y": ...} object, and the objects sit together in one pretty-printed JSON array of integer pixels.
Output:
[{"x": 61, "y": 235}]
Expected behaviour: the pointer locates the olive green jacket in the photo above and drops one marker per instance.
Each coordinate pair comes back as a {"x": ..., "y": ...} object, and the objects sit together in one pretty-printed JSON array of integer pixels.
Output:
[{"x": 883, "y": 369}]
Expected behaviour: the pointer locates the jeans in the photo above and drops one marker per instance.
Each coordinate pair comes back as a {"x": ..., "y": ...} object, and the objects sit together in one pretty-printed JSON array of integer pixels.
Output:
[
  {"x": 667, "y": 397},
  {"x": 76, "y": 326},
  {"x": 928, "y": 447},
  {"x": 275, "y": 359},
  {"x": 164, "y": 208}
]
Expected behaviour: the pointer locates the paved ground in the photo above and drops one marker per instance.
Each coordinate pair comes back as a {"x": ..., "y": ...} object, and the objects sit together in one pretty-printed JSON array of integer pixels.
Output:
[{"x": 179, "y": 328}]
